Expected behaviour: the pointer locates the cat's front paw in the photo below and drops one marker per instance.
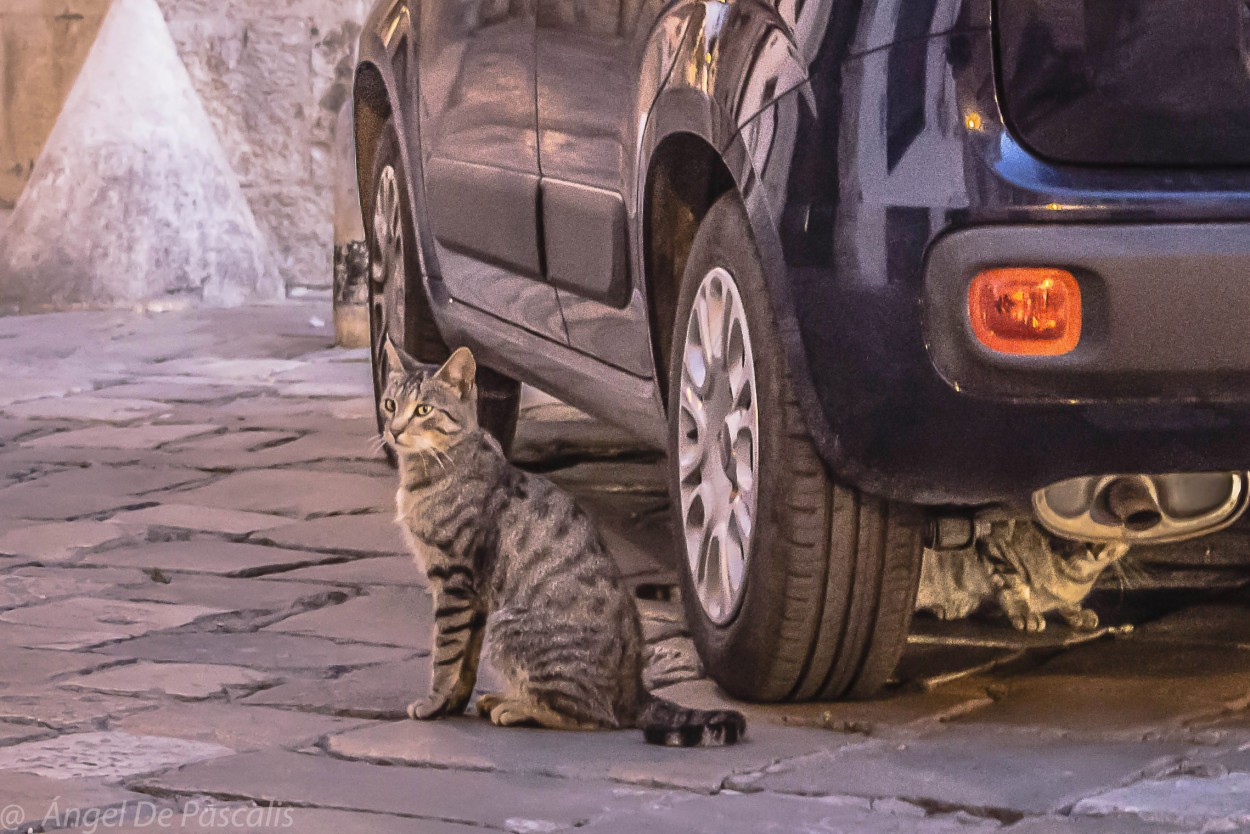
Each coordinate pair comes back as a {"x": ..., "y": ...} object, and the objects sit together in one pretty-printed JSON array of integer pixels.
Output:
[
  {"x": 952, "y": 611},
  {"x": 1030, "y": 621},
  {"x": 429, "y": 707},
  {"x": 1082, "y": 619},
  {"x": 487, "y": 703}
]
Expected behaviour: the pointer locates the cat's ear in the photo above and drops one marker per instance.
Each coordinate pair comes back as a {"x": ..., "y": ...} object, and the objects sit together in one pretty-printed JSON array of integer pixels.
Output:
[
  {"x": 398, "y": 361},
  {"x": 459, "y": 372}
]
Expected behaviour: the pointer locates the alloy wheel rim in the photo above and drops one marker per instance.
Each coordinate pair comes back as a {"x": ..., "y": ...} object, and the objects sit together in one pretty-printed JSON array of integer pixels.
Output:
[
  {"x": 718, "y": 444},
  {"x": 386, "y": 272}
]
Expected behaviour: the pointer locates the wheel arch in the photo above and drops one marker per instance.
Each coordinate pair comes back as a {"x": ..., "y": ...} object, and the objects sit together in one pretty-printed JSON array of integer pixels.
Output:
[
  {"x": 371, "y": 107},
  {"x": 687, "y": 171},
  {"x": 732, "y": 63},
  {"x": 685, "y": 177}
]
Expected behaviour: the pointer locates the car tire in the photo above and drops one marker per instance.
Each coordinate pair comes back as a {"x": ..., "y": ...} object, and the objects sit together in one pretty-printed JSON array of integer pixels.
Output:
[
  {"x": 828, "y": 576},
  {"x": 399, "y": 308}
]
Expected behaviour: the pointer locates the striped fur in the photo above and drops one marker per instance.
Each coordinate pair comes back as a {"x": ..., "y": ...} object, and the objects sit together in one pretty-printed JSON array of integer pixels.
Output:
[
  {"x": 510, "y": 553},
  {"x": 1025, "y": 571}
]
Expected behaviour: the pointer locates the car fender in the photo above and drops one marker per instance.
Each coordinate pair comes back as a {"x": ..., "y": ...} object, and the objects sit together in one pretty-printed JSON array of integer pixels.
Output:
[
  {"x": 385, "y": 48},
  {"x": 735, "y": 62}
]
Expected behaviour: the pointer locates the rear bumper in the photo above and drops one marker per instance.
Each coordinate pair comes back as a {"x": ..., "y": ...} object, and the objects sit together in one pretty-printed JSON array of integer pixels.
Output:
[
  {"x": 1160, "y": 381},
  {"x": 1166, "y": 313}
]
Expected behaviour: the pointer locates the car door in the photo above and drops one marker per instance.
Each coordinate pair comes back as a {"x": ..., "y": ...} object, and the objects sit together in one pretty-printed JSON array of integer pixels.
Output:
[
  {"x": 480, "y": 154},
  {"x": 590, "y": 56}
]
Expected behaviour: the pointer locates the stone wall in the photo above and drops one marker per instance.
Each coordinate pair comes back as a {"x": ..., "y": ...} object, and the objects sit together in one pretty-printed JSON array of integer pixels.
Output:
[{"x": 271, "y": 76}]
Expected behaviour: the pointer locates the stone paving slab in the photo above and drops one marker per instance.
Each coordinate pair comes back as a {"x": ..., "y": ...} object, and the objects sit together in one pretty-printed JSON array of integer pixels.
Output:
[
  {"x": 67, "y": 457},
  {"x": 1217, "y": 803},
  {"x": 512, "y": 802},
  {"x": 774, "y": 814},
  {"x": 636, "y": 530},
  {"x": 294, "y": 492},
  {"x": 996, "y": 633},
  {"x": 325, "y": 390},
  {"x": 241, "y": 728},
  {"x": 356, "y": 373},
  {"x": 226, "y": 593},
  {"x": 107, "y": 756},
  {"x": 635, "y": 554},
  {"x": 60, "y": 639},
  {"x": 110, "y": 437},
  {"x": 119, "y": 618},
  {"x": 88, "y": 408},
  {"x": 63, "y": 709},
  {"x": 317, "y": 446},
  {"x": 472, "y": 743},
  {"x": 1094, "y": 825},
  {"x": 214, "y": 556},
  {"x": 554, "y": 431},
  {"x": 38, "y": 798},
  {"x": 22, "y": 388},
  {"x": 187, "y": 392},
  {"x": 234, "y": 441},
  {"x": 13, "y": 733},
  {"x": 188, "y": 681},
  {"x": 613, "y": 477},
  {"x": 387, "y": 616},
  {"x": 241, "y": 370},
  {"x": 257, "y": 650},
  {"x": 1022, "y": 773},
  {"x": 31, "y": 585},
  {"x": 57, "y": 541},
  {"x": 390, "y": 571},
  {"x": 1221, "y": 621},
  {"x": 77, "y": 492},
  {"x": 206, "y": 816},
  {"x": 205, "y": 519},
  {"x": 928, "y": 666},
  {"x": 26, "y": 667},
  {"x": 1124, "y": 688},
  {"x": 381, "y": 692},
  {"x": 371, "y": 533}
]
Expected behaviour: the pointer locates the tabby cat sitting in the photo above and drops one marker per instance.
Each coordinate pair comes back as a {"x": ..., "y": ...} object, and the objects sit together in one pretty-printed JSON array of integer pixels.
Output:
[
  {"x": 1017, "y": 565},
  {"x": 508, "y": 552}
]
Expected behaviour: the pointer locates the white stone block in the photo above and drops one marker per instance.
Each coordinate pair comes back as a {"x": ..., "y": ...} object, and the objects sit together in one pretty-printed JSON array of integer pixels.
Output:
[{"x": 133, "y": 198}]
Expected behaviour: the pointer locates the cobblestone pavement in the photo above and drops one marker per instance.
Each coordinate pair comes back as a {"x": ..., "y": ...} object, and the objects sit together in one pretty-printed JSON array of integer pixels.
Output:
[{"x": 207, "y": 623}]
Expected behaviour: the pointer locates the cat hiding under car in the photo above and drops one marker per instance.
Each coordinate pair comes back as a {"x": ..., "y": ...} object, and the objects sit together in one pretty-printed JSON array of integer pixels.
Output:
[
  {"x": 508, "y": 552},
  {"x": 1027, "y": 572}
]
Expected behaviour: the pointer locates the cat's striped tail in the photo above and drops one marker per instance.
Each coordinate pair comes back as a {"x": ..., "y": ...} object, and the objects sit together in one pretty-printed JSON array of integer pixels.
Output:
[{"x": 663, "y": 722}]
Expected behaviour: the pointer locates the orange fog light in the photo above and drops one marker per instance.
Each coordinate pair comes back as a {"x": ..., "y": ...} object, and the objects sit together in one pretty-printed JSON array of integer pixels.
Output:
[{"x": 1026, "y": 310}]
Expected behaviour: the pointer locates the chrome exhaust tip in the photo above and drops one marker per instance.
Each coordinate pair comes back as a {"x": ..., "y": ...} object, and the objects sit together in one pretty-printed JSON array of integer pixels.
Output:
[
  {"x": 1143, "y": 509},
  {"x": 1130, "y": 502}
]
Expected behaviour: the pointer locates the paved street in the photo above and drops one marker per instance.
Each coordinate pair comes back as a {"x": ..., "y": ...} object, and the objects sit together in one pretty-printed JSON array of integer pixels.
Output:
[{"x": 207, "y": 623}]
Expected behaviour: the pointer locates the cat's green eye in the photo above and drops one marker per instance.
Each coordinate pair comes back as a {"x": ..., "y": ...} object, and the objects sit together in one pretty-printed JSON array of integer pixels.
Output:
[
  {"x": 389, "y": 405},
  {"x": 423, "y": 410}
]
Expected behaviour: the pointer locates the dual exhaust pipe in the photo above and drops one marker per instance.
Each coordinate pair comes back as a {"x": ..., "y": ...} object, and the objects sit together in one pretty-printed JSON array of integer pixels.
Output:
[{"x": 1139, "y": 508}]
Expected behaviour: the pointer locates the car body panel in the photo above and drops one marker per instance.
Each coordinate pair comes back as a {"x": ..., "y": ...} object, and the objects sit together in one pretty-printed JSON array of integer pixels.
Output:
[
  {"x": 479, "y": 143},
  {"x": 599, "y": 66}
]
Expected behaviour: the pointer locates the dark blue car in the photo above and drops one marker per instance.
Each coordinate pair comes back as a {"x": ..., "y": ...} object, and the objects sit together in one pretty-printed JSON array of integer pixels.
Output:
[{"x": 868, "y": 269}]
